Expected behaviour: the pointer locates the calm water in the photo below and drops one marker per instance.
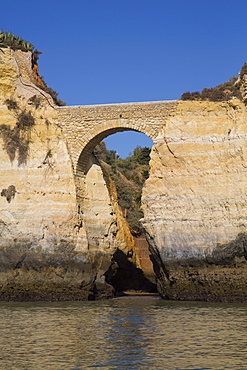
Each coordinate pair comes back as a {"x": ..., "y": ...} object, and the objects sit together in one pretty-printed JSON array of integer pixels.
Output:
[{"x": 124, "y": 333}]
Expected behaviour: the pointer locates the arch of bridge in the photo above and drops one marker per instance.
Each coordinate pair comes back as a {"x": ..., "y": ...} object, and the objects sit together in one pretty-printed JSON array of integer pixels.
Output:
[
  {"x": 101, "y": 132},
  {"x": 85, "y": 126}
]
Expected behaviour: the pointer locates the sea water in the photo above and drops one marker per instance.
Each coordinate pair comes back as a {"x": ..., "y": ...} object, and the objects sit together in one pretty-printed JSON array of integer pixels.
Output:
[{"x": 123, "y": 333}]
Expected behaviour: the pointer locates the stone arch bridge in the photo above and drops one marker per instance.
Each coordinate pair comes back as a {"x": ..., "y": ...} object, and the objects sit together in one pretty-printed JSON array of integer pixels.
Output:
[
  {"x": 199, "y": 167},
  {"x": 85, "y": 126}
]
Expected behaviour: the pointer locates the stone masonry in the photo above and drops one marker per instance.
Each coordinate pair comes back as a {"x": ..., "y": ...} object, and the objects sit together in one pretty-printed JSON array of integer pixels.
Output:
[{"x": 85, "y": 126}]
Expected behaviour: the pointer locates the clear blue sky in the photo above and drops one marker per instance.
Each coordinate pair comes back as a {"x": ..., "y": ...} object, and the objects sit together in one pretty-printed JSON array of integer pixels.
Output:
[{"x": 109, "y": 51}]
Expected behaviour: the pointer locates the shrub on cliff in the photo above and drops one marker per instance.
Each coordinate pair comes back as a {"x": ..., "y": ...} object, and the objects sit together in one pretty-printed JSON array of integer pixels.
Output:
[
  {"x": 52, "y": 92},
  {"x": 129, "y": 175},
  {"x": 243, "y": 71},
  {"x": 8, "y": 39},
  {"x": 222, "y": 92},
  {"x": 16, "y": 140}
]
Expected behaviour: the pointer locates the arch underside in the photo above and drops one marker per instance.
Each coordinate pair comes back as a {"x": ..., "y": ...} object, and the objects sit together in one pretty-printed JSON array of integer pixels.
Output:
[{"x": 83, "y": 160}]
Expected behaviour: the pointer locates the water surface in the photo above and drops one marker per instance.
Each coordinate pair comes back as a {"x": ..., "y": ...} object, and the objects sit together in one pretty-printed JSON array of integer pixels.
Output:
[{"x": 124, "y": 333}]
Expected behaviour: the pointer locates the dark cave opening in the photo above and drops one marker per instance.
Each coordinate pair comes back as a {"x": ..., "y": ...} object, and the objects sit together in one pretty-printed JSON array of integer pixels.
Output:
[{"x": 124, "y": 276}]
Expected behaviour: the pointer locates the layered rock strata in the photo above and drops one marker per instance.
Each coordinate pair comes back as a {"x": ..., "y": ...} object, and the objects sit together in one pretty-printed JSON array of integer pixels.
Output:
[
  {"x": 61, "y": 231},
  {"x": 195, "y": 203},
  {"x": 47, "y": 250}
]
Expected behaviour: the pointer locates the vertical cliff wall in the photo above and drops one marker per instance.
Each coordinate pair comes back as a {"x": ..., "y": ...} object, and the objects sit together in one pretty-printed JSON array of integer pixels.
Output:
[
  {"x": 47, "y": 249},
  {"x": 195, "y": 202}
]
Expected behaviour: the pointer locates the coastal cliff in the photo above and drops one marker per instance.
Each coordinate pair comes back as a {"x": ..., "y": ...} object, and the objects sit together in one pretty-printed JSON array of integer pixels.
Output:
[
  {"x": 44, "y": 243},
  {"x": 56, "y": 242},
  {"x": 62, "y": 233},
  {"x": 194, "y": 202}
]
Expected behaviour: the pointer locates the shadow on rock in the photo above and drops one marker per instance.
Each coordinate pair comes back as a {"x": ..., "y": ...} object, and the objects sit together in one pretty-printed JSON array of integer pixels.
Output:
[{"x": 124, "y": 275}]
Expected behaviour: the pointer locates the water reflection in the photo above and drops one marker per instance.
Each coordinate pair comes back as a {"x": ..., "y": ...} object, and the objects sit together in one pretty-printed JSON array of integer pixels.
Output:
[{"x": 126, "y": 333}]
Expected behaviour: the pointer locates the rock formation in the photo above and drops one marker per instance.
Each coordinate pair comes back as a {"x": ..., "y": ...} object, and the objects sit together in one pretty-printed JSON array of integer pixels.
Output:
[
  {"x": 194, "y": 203},
  {"x": 44, "y": 245},
  {"x": 62, "y": 234}
]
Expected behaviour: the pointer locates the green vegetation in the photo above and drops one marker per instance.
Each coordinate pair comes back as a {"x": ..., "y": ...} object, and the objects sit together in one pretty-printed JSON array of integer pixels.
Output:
[
  {"x": 243, "y": 71},
  {"x": 11, "y": 104},
  {"x": 8, "y": 39},
  {"x": 52, "y": 92},
  {"x": 129, "y": 176},
  {"x": 223, "y": 92},
  {"x": 35, "y": 100}
]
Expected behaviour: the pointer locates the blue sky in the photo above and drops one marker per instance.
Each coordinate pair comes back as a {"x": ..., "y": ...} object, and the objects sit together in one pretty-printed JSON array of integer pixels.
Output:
[{"x": 110, "y": 51}]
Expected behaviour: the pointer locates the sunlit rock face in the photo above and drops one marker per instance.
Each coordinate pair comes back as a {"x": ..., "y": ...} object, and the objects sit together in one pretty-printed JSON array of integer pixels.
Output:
[
  {"x": 58, "y": 231},
  {"x": 47, "y": 249},
  {"x": 60, "y": 228},
  {"x": 195, "y": 202}
]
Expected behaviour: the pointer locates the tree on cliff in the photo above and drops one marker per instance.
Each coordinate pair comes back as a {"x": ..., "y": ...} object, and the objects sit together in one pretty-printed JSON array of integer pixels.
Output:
[{"x": 129, "y": 175}]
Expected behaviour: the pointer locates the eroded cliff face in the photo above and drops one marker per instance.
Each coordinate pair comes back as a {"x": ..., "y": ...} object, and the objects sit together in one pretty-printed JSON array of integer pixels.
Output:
[
  {"x": 62, "y": 233},
  {"x": 47, "y": 249},
  {"x": 195, "y": 203}
]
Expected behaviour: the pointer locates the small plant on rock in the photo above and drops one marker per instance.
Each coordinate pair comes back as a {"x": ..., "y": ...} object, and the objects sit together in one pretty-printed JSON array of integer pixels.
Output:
[
  {"x": 25, "y": 121},
  {"x": 35, "y": 100},
  {"x": 17, "y": 139},
  {"x": 11, "y": 104}
]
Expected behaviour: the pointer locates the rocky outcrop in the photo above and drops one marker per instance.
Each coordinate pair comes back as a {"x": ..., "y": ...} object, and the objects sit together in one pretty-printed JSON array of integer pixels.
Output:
[
  {"x": 195, "y": 203},
  {"x": 47, "y": 248},
  {"x": 62, "y": 234}
]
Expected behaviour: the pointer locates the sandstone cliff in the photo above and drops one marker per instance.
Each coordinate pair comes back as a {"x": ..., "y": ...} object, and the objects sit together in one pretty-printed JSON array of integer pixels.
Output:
[
  {"x": 61, "y": 231},
  {"x": 58, "y": 233},
  {"x": 46, "y": 250},
  {"x": 194, "y": 202}
]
